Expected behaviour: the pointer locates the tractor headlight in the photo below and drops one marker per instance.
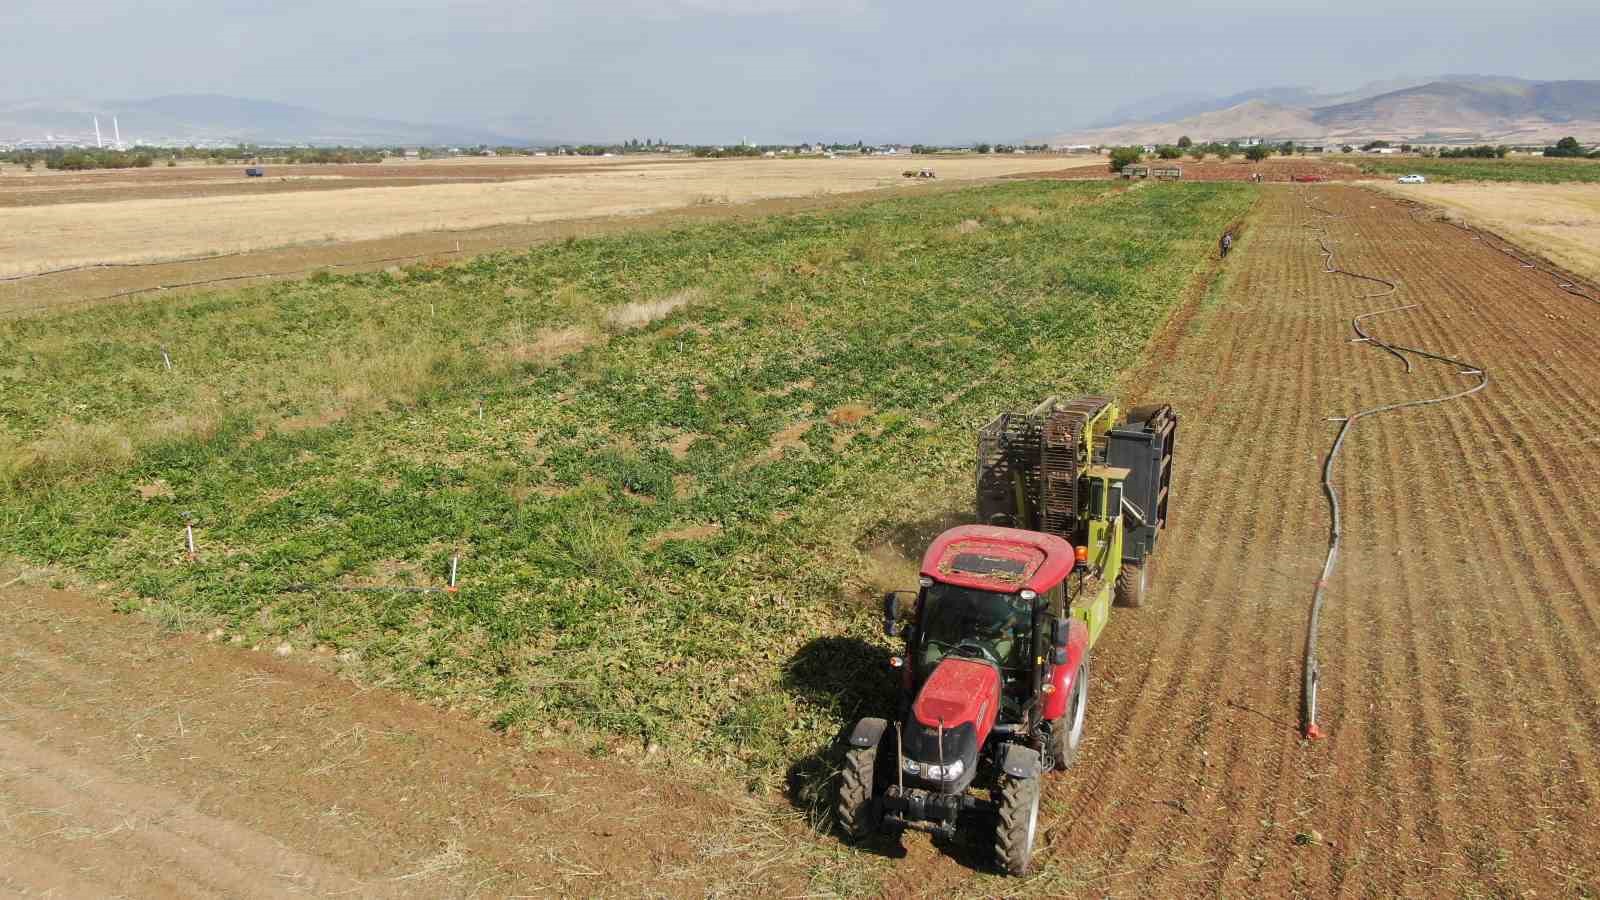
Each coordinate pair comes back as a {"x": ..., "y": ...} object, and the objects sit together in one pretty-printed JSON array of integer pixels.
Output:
[{"x": 934, "y": 771}]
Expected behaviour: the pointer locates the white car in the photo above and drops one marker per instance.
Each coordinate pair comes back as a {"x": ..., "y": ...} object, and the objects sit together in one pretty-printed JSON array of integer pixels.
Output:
[{"x": 1412, "y": 179}]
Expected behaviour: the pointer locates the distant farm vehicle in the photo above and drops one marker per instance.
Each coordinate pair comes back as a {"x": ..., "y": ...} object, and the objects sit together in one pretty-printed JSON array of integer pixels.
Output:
[
  {"x": 1170, "y": 173},
  {"x": 994, "y": 680},
  {"x": 255, "y": 172},
  {"x": 1135, "y": 171},
  {"x": 1412, "y": 179},
  {"x": 918, "y": 173}
]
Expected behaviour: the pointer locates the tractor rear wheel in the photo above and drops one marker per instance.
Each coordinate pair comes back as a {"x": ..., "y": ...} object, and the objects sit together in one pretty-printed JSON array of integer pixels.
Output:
[
  {"x": 1066, "y": 733},
  {"x": 1132, "y": 584},
  {"x": 857, "y": 809},
  {"x": 1018, "y": 822}
]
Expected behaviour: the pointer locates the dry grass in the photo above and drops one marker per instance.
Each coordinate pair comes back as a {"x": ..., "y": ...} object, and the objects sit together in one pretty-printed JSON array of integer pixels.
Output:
[
  {"x": 642, "y": 312},
  {"x": 69, "y": 449},
  {"x": 142, "y": 230},
  {"x": 1559, "y": 221},
  {"x": 548, "y": 345}
]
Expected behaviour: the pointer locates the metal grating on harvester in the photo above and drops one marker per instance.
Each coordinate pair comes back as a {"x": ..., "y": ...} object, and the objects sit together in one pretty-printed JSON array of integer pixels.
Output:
[
  {"x": 1008, "y": 477},
  {"x": 1064, "y": 453}
]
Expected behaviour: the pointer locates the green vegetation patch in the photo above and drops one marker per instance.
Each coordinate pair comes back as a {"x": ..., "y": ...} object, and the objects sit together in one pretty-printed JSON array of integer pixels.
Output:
[
  {"x": 672, "y": 464},
  {"x": 1538, "y": 171}
]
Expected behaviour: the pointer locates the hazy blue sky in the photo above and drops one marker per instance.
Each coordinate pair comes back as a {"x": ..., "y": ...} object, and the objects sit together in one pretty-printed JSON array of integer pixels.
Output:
[{"x": 765, "y": 69}]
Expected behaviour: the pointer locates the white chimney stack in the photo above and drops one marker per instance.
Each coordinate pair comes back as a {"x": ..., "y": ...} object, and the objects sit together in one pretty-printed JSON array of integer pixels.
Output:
[
  {"x": 98, "y": 143},
  {"x": 116, "y": 131}
]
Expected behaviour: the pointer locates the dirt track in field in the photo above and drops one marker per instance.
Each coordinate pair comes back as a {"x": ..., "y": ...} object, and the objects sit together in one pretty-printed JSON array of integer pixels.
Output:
[
  {"x": 1461, "y": 685},
  {"x": 133, "y": 764}
]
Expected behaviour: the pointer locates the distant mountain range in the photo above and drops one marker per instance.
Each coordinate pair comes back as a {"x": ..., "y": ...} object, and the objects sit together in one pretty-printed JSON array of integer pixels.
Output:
[
  {"x": 203, "y": 118},
  {"x": 1448, "y": 109}
]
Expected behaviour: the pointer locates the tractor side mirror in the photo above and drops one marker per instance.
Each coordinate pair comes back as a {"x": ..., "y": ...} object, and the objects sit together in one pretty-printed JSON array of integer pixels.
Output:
[{"x": 891, "y": 614}]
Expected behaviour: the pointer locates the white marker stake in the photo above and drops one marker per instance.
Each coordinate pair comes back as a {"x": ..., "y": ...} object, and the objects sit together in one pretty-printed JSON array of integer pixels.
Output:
[
  {"x": 453, "y": 561},
  {"x": 166, "y": 360},
  {"x": 188, "y": 532}
]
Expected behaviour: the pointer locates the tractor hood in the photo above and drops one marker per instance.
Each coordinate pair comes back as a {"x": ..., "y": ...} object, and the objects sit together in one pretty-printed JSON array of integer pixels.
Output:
[{"x": 961, "y": 698}]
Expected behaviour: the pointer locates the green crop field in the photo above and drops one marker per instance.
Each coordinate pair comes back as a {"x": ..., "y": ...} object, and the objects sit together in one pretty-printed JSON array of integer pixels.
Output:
[
  {"x": 1536, "y": 170},
  {"x": 667, "y": 461}
]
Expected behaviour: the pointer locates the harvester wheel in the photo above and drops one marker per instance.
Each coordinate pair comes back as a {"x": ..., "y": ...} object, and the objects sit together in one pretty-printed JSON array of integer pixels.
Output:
[
  {"x": 1019, "y": 820},
  {"x": 1066, "y": 733},
  {"x": 857, "y": 810},
  {"x": 1132, "y": 582}
]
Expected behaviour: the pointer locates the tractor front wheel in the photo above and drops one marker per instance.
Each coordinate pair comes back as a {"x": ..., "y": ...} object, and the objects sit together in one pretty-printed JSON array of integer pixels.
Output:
[
  {"x": 1066, "y": 733},
  {"x": 857, "y": 810},
  {"x": 1018, "y": 822},
  {"x": 1132, "y": 583}
]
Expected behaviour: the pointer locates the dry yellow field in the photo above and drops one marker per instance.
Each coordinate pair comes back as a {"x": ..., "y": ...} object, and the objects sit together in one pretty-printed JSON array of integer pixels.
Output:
[
  {"x": 135, "y": 230},
  {"x": 1558, "y": 221}
]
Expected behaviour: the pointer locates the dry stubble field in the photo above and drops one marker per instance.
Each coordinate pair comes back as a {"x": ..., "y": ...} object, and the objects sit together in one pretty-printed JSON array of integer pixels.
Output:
[{"x": 220, "y": 218}]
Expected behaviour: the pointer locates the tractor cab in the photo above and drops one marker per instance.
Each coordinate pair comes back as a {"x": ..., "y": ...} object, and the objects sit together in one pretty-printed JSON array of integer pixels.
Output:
[{"x": 989, "y": 593}]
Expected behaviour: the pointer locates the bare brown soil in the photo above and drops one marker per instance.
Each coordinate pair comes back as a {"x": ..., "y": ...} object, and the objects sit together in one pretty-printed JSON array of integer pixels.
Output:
[
  {"x": 1461, "y": 685},
  {"x": 133, "y": 764}
]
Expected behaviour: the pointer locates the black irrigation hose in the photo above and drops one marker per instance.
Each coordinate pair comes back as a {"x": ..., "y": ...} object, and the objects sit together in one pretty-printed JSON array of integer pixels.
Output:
[{"x": 1311, "y": 671}]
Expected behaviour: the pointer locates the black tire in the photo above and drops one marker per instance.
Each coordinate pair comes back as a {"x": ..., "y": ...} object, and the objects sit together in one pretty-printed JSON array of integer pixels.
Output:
[
  {"x": 1017, "y": 824},
  {"x": 1133, "y": 584},
  {"x": 1066, "y": 733},
  {"x": 858, "y": 808}
]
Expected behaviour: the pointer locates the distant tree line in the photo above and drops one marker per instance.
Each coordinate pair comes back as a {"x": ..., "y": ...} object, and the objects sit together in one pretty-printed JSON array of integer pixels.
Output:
[
  {"x": 80, "y": 160},
  {"x": 1482, "y": 151},
  {"x": 1569, "y": 148}
]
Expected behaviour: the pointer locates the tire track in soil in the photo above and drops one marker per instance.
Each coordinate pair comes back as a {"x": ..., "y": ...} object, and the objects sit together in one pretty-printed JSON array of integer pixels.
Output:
[
  {"x": 1458, "y": 680},
  {"x": 1214, "y": 579},
  {"x": 1254, "y": 785}
]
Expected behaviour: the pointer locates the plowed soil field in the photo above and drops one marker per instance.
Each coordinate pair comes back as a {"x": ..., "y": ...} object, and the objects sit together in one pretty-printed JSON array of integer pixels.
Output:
[{"x": 1460, "y": 677}]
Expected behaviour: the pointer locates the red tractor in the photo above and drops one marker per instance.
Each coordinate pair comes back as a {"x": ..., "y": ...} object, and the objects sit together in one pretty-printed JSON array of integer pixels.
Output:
[{"x": 994, "y": 680}]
